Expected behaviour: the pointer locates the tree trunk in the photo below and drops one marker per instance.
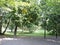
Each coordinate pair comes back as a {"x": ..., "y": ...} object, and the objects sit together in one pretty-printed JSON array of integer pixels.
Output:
[
  {"x": 6, "y": 27},
  {"x": 44, "y": 34},
  {"x": 0, "y": 27},
  {"x": 11, "y": 30},
  {"x": 56, "y": 34},
  {"x": 15, "y": 31}
]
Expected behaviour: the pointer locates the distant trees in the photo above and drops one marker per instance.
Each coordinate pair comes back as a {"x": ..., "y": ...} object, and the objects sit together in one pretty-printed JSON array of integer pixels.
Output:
[{"x": 50, "y": 15}]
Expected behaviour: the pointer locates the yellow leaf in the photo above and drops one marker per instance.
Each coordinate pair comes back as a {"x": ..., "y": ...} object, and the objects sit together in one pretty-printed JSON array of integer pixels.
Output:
[{"x": 24, "y": 11}]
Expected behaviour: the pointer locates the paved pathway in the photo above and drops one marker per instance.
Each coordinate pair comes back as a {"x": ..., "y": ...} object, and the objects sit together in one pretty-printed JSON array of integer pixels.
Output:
[{"x": 29, "y": 41}]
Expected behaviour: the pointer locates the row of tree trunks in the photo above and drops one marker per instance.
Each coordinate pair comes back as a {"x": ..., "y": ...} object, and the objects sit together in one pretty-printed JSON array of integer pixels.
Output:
[{"x": 56, "y": 34}]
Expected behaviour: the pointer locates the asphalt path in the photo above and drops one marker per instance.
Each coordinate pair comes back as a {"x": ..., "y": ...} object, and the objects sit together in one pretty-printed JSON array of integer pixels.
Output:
[{"x": 29, "y": 41}]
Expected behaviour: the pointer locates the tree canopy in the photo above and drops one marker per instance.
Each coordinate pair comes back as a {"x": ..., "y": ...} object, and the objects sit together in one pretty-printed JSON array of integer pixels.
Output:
[{"x": 20, "y": 13}]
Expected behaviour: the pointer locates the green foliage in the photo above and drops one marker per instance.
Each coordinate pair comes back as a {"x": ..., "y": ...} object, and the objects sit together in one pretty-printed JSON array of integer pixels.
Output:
[
  {"x": 28, "y": 13},
  {"x": 50, "y": 15}
]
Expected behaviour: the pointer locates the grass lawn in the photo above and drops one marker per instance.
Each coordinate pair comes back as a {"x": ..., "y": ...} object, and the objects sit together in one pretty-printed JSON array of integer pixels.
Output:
[{"x": 36, "y": 33}]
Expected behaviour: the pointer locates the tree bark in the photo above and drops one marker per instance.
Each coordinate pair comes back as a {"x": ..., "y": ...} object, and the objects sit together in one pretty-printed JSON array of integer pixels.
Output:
[
  {"x": 15, "y": 31},
  {"x": 56, "y": 34},
  {"x": 6, "y": 27},
  {"x": 44, "y": 34},
  {"x": 0, "y": 27}
]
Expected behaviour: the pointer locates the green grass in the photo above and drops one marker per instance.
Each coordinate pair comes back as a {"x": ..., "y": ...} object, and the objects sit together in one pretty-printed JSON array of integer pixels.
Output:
[
  {"x": 23, "y": 34},
  {"x": 32, "y": 34},
  {"x": 36, "y": 33}
]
